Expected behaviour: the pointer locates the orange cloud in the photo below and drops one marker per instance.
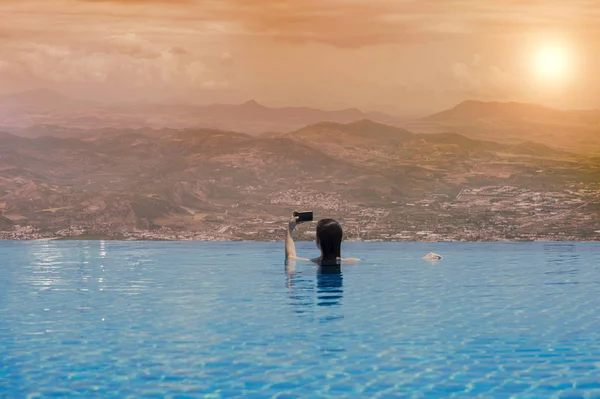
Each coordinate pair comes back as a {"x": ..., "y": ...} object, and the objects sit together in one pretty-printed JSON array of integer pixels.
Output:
[
  {"x": 342, "y": 23},
  {"x": 140, "y": 1},
  {"x": 356, "y": 23},
  {"x": 120, "y": 59},
  {"x": 340, "y": 52},
  {"x": 479, "y": 79}
]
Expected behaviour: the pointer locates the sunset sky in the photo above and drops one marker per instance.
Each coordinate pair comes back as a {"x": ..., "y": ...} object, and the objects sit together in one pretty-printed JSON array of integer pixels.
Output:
[{"x": 400, "y": 56}]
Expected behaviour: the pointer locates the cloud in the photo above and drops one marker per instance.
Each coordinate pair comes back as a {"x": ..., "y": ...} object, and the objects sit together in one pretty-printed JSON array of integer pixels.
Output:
[
  {"x": 481, "y": 80},
  {"x": 341, "y": 23},
  {"x": 131, "y": 44},
  {"x": 295, "y": 51},
  {"x": 130, "y": 2},
  {"x": 178, "y": 51},
  {"x": 126, "y": 60},
  {"x": 212, "y": 84},
  {"x": 338, "y": 23},
  {"x": 226, "y": 59},
  {"x": 359, "y": 23}
]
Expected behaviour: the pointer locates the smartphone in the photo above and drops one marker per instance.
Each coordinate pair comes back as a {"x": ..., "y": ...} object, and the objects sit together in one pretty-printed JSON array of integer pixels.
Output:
[{"x": 304, "y": 216}]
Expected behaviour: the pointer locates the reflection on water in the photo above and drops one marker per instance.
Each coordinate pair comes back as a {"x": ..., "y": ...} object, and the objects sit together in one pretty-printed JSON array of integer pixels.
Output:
[
  {"x": 85, "y": 267},
  {"x": 310, "y": 286},
  {"x": 562, "y": 259},
  {"x": 316, "y": 292},
  {"x": 300, "y": 288},
  {"x": 45, "y": 266},
  {"x": 330, "y": 290}
]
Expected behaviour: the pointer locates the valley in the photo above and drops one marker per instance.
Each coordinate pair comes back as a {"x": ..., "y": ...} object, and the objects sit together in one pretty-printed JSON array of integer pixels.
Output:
[{"x": 382, "y": 182}]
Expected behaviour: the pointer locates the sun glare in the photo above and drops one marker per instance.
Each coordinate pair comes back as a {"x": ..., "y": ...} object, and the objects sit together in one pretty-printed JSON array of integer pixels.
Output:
[{"x": 551, "y": 63}]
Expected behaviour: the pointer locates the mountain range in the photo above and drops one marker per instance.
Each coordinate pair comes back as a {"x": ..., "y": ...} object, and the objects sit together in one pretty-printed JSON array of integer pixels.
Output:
[
  {"x": 381, "y": 180},
  {"x": 577, "y": 130},
  {"x": 40, "y": 112},
  {"x": 478, "y": 171}
]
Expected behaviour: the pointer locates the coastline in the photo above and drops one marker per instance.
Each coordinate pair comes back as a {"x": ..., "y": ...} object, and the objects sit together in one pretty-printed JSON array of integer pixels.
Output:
[
  {"x": 140, "y": 239},
  {"x": 29, "y": 233}
]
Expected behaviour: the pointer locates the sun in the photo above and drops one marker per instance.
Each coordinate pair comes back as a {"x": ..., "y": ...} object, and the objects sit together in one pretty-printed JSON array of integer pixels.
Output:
[{"x": 551, "y": 63}]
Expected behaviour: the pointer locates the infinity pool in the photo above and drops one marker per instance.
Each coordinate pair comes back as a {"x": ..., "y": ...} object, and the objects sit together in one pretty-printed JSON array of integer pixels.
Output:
[{"x": 223, "y": 320}]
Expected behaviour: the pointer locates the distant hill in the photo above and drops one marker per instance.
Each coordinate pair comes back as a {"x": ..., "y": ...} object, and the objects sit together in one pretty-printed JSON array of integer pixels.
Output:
[
  {"x": 40, "y": 100},
  {"x": 363, "y": 132},
  {"x": 508, "y": 110},
  {"x": 48, "y": 110},
  {"x": 36, "y": 97},
  {"x": 46, "y": 130},
  {"x": 373, "y": 135},
  {"x": 518, "y": 122},
  {"x": 219, "y": 184}
]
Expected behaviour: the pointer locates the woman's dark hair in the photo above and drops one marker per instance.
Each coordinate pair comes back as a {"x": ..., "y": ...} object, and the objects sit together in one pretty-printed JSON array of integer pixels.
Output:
[{"x": 329, "y": 237}]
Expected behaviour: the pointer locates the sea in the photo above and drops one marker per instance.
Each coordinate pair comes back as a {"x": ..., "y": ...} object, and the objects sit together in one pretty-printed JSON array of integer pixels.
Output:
[{"x": 110, "y": 319}]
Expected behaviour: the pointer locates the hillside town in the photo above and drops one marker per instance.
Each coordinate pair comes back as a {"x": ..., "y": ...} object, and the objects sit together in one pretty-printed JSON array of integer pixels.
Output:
[{"x": 489, "y": 213}]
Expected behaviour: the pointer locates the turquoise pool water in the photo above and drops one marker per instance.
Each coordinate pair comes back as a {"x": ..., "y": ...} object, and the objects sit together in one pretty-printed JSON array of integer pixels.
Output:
[{"x": 224, "y": 320}]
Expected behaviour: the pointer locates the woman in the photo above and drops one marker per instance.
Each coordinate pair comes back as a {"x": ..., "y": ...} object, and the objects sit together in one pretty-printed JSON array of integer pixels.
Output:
[{"x": 329, "y": 241}]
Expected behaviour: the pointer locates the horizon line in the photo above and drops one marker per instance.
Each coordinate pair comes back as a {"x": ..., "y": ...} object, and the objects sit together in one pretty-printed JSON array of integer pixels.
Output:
[{"x": 253, "y": 101}]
